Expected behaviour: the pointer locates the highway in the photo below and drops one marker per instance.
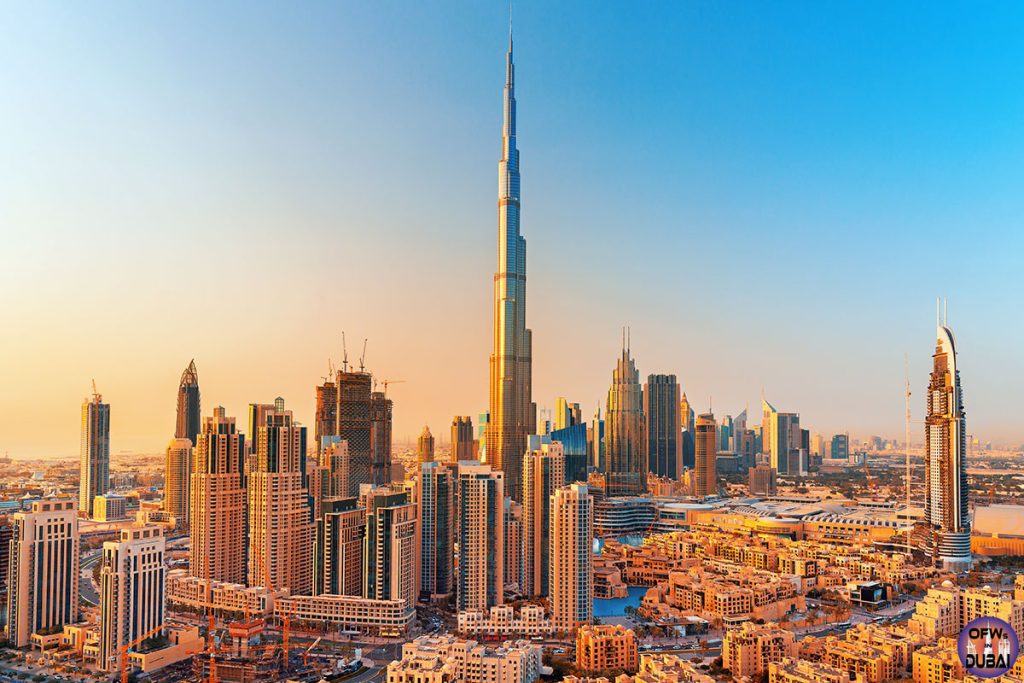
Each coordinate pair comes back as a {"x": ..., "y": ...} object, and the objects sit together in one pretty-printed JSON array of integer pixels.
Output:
[{"x": 88, "y": 591}]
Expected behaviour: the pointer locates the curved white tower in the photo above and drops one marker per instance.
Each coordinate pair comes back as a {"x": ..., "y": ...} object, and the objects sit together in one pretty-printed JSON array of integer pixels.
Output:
[
  {"x": 513, "y": 414},
  {"x": 946, "y": 508}
]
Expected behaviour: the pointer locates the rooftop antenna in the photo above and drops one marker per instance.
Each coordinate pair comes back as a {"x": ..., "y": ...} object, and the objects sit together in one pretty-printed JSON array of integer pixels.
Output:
[
  {"x": 362, "y": 358},
  {"x": 629, "y": 338},
  {"x": 906, "y": 444},
  {"x": 938, "y": 310},
  {"x": 344, "y": 350}
]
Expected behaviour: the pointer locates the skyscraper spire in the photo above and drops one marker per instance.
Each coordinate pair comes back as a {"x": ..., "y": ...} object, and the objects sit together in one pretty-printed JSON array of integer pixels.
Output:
[{"x": 513, "y": 413}]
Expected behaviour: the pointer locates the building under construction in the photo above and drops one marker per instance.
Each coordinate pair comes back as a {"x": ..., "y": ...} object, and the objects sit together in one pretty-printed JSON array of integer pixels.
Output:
[
  {"x": 380, "y": 438},
  {"x": 326, "y": 420},
  {"x": 354, "y": 426}
]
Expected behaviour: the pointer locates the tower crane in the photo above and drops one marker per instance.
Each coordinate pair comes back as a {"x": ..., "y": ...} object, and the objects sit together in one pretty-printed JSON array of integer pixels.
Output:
[
  {"x": 386, "y": 382},
  {"x": 134, "y": 643}
]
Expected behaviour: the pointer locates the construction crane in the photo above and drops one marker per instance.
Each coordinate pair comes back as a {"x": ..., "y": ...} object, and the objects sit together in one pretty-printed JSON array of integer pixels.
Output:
[
  {"x": 305, "y": 655},
  {"x": 124, "y": 650},
  {"x": 362, "y": 358},
  {"x": 386, "y": 382},
  {"x": 344, "y": 352}
]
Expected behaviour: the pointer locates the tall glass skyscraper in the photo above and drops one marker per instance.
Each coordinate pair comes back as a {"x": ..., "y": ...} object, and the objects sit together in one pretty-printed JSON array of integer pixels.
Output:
[
  {"x": 189, "y": 417},
  {"x": 513, "y": 413},
  {"x": 625, "y": 443},
  {"x": 664, "y": 433},
  {"x": 94, "y": 476},
  {"x": 945, "y": 459}
]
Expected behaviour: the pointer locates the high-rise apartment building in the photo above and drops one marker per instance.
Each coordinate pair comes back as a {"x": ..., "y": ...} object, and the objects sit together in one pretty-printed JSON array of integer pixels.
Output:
[
  {"x": 513, "y": 415},
  {"x": 188, "y": 413},
  {"x": 425, "y": 446},
  {"x": 945, "y": 460},
  {"x": 571, "y": 550},
  {"x": 354, "y": 389},
  {"x": 380, "y": 438},
  {"x": 335, "y": 457},
  {"x": 280, "y": 515},
  {"x": 217, "y": 502},
  {"x": 761, "y": 480},
  {"x": 177, "y": 476},
  {"x": 514, "y": 530},
  {"x": 625, "y": 440},
  {"x": 481, "y": 580},
  {"x": 325, "y": 420},
  {"x": 131, "y": 591},
  {"x": 595, "y": 441},
  {"x": 705, "y": 479},
  {"x": 391, "y": 552},
  {"x": 94, "y": 475},
  {"x": 664, "y": 432},
  {"x": 543, "y": 473},
  {"x": 462, "y": 438},
  {"x": 436, "y": 500},
  {"x": 338, "y": 548},
  {"x": 42, "y": 578},
  {"x": 782, "y": 439}
]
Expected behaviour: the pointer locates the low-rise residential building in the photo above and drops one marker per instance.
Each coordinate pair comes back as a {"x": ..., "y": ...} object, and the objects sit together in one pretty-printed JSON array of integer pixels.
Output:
[
  {"x": 749, "y": 649},
  {"x": 801, "y": 671},
  {"x": 505, "y": 620},
  {"x": 938, "y": 663},
  {"x": 353, "y": 613},
  {"x": 447, "y": 659},
  {"x": 606, "y": 648}
]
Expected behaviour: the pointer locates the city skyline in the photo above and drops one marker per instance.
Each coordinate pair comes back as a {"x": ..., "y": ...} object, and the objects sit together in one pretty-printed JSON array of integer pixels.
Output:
[{"x": 854, "y": 342}]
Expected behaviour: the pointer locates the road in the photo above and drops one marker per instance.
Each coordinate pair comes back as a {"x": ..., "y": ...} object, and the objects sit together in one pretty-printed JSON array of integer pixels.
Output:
[{"x": 88, "y": 591}]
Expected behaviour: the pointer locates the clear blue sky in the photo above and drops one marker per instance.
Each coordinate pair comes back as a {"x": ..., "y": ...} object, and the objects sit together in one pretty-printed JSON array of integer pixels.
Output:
[{"x": 771, "y": 194}]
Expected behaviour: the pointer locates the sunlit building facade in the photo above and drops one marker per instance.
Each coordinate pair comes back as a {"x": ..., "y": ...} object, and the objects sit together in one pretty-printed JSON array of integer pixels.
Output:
[
  {"x": 481, "y": 580},
  {"x": 946, "y": 508},
  {"x": 513, "y": 415},
  {"x": 94, "y": 470},
  {"x": 543, "y": 473},
  {"x": 571, "y": 550},
  {"x": 625, "y": 439}
]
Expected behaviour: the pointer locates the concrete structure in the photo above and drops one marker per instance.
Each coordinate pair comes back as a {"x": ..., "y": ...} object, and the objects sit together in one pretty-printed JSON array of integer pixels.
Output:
[
  {"x": 946, "y": 510},
  {"x": 335, "y": 457},
  {"x": 705, "y": 479},
  {"x": 664, "y": 433},
  {"x": 338, "y": 548},
  {"x": 436, "y": 500},
  {"x": 354, "y": 389},
  {"x": 938, "y": 663},
  {"x": 94, "y": 465},
  {"x": 280, "y": 524},
  {"x": 781, "y": 437},
  {"x": 42, "y": 578},
  {"x": 177, "y": 477},
  {"x": 380, "y": 438},
  {"x": 607, "y": 648},
  {"x": 217, "y": 502},
  {"x": 132, "y": 597},
  {"x": 625, "y": 440},
  {"x": 513, "y": 415},
  {"x": 543, "y": 473},
  {"x": 325, "y": 417},
  {"x": 481, "y": 580},
  {"x": 571, "y": 550},
  {"x": 447, "y": 659},
  {"x": 751, "y": 648}
]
